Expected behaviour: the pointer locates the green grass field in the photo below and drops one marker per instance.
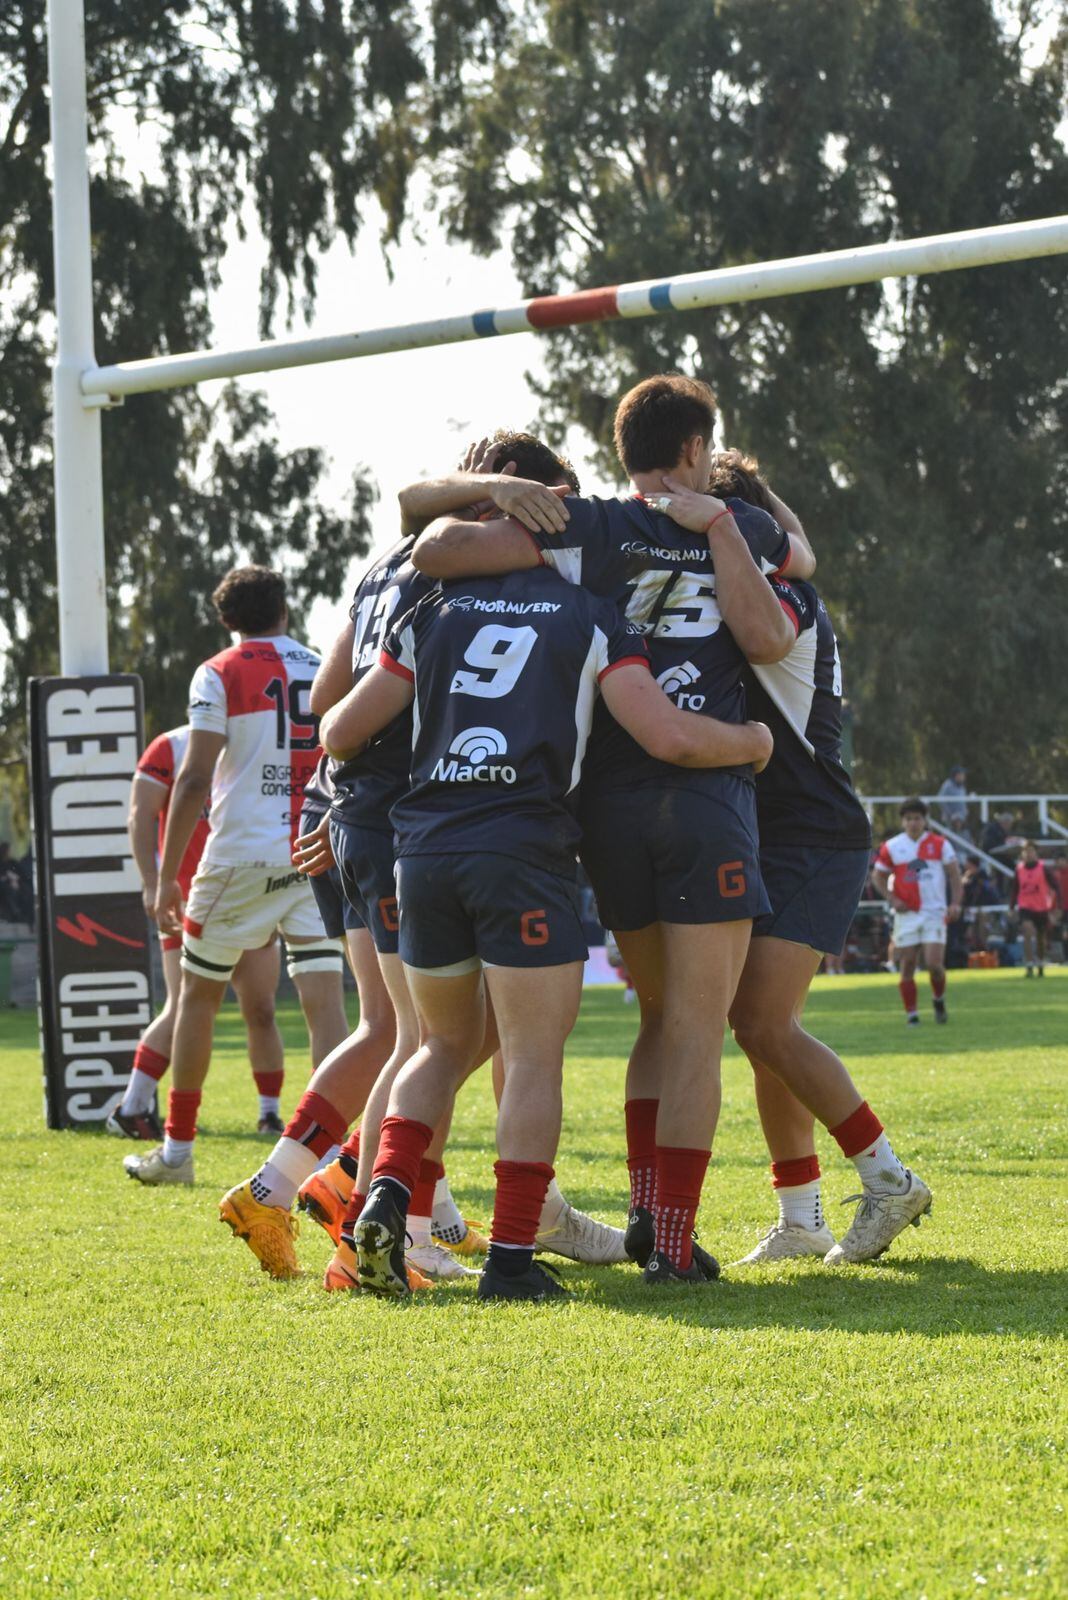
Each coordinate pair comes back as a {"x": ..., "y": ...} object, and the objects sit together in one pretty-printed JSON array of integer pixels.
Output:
[{"x": 175, "y": 1424}]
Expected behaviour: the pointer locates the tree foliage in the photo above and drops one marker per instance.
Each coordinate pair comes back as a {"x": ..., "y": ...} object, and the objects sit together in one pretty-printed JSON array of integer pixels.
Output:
[
  {"x": 919, "y": 427},
  {"x": 295, "y": 110}
]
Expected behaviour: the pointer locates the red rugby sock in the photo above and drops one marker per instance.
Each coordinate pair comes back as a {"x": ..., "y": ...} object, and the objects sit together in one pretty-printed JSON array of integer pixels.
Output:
[
  {"x": 316, "y": 1124},
  {"x": 908, "y": 994},
  {"x": 401, "y": 1148},
  {"x": 859, "y": 1130},
  {"x": 640, "y": 1116},
  {"x": 150, "y": 1062},
  {"x": 182, "y": 1108},
  {"x": 679, "y": 1176}
]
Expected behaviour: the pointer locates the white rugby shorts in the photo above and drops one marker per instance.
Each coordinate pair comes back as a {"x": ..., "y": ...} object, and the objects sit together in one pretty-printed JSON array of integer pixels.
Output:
[
  {"x": 234, "y": 909},
  {"x": 919, "y": 927}
]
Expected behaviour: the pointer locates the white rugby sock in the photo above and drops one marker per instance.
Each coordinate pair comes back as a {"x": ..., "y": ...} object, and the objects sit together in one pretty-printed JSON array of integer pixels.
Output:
[
  {"x": 270, "y": 1104},
  {"x": 449, "y": 1224},
  {"x": 287, "y": 1166},
  {"x": 554, "y": 1204},
  {"x": 140, "y": 1093},
  {"x": 879, "y": 1169},
  {"x": 176, "y": 1151},
  {"x": 801, "y": 1205}
]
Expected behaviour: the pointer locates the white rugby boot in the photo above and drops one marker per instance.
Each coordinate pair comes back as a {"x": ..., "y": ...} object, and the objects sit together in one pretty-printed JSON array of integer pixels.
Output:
[
  {"x": 437, "y": 1263},
  {"x": 152, "y": 1169},
  {"x": 786, "y": 1241},
  {"x": 577, "y": 1237},
  {"x": 878, "y": 1220}
]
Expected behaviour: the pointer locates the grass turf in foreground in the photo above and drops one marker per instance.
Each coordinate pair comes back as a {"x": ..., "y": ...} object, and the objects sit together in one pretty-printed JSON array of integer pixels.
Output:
[{"x": 175, "y": 1424}]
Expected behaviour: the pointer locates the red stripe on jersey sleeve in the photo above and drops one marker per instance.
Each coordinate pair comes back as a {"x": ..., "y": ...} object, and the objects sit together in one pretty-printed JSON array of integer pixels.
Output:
[
  {"x": 537, "y": 547},
  {"x": 792, "y": 614},
  {"x": 789, "y": 557},
  {"x": 398, "y": 669},
  {"x": 157, "y": 762},
  {"x": 625, "y": 661},
  {"x": 884, "y": 858}
]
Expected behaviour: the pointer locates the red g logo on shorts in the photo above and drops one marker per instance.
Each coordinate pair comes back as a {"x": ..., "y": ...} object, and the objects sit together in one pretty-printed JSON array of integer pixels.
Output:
[
  {"x": 533, "y": 928},
  {"x": 387, "y": 910},
  {"x": 730, "y": 880}
]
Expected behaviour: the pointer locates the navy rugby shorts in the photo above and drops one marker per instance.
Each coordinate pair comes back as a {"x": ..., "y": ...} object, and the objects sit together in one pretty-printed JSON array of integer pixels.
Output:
[
  {"x": 673, "y": 854},
  {"x": 813, "y": 893},
  {"x": 366, "y": 862},
  {"x": 338, "y": 916},
  {"x": 458, "y": 911}
]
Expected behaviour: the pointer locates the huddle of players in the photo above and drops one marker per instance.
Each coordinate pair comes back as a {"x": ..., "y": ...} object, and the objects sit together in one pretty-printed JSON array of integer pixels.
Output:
[{"x": 480, "y": 660}]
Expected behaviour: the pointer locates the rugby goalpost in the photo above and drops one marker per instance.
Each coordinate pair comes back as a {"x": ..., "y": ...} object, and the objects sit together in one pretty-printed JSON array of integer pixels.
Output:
[{"x": 82, "y": 738}]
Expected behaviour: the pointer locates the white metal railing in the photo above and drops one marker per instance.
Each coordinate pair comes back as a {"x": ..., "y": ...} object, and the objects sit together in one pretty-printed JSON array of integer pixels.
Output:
[{"x": 983, "y": 801}]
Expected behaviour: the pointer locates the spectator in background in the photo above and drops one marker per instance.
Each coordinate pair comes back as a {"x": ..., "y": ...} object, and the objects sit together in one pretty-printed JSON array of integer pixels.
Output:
[
  {"x": 954, "y": 807},
  {"x": 1035, "y": 897},
  {"x": 996, "y": 839},
  {"x": 10, "y": 888}
]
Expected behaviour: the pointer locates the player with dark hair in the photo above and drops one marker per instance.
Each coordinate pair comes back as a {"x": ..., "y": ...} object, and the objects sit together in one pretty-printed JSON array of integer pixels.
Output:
[
  {"x": 815, "y": 846},
  {"x": 912, "y": 870},
  {"x": 672, "y": 854},
  {"x": 365, "y": 788},
  {"x": 502, "y": 675},
  {"x": 255, "y": 979},
  {"x": 253, "y": 744}
]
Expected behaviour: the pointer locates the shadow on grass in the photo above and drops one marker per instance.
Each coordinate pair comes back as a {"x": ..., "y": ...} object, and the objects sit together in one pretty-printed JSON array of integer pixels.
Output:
[{"x": 931, "y": 1295}]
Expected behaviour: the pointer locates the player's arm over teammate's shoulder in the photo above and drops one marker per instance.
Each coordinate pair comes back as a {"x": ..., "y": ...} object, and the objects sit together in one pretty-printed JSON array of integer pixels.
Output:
[
  {"x": 333, "y": 678},
  {"x": 450, "y": 548},
  {"x": 382, "y": 694},
  {"x": 639, "y": 704}
]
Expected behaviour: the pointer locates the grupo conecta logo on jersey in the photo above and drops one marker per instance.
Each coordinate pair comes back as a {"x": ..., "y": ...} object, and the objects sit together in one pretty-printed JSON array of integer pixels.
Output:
[{"x": 473, "y": 759}]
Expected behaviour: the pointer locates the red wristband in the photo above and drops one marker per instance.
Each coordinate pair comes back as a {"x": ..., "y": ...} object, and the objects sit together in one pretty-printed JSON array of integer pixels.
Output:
[{"x": 726, "y": 512}]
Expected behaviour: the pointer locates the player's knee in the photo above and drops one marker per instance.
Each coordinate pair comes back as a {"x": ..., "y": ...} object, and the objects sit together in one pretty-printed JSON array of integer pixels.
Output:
[
  {"x": 259, "y": 1012},
  {"x": 317, "y": 956},
  {"x": 760, "y": 1035}
]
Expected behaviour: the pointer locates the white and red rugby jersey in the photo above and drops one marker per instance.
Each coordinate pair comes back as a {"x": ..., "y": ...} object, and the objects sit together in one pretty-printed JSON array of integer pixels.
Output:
[
  {"x": 257, "y": 694},
  {"x": 919, "y": 869},
  {"x": 160, "y": 764}
]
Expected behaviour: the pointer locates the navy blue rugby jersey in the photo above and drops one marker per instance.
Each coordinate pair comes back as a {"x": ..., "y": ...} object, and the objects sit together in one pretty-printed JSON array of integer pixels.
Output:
[
  {"x": 663, "y": 578},
  {"x": 804, "y": 794},
  {"x": 319, "y": 789},
  {"x": 506, "y": 672},
  {"x": 368, "y": 784}
]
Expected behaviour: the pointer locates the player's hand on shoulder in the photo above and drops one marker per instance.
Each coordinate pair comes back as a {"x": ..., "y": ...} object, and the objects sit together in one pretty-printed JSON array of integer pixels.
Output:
[
  {"x": 169, "y": 906},
  {"x": 313, "y": 854},
  {"x": 533, "y": 504},
  {"x": 480, "y": 456},
  {"x": 689, "y": 509}
]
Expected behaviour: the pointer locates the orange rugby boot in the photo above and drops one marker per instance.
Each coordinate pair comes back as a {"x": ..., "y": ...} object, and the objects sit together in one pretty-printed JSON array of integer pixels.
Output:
[
  {"x": 473, "y": 1243},
  {"x": 341, "y": 1272},
  {"x": 324, "y": 1197},
  {"x": 268, "y": 1231}
]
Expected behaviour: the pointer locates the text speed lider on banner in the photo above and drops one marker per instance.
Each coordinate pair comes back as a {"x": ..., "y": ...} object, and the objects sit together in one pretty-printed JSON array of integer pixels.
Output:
[{"x": 95, "y": 994}]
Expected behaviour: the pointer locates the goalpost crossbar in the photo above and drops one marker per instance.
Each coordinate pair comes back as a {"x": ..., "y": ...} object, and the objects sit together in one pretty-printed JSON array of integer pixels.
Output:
[{"x": 944, "y": 252}]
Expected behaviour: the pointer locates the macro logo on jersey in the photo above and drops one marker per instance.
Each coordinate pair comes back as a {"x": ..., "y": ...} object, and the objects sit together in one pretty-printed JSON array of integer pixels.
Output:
[
  {"x": 676, "y": 681},
  {"x": 476, "y": 748}
]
